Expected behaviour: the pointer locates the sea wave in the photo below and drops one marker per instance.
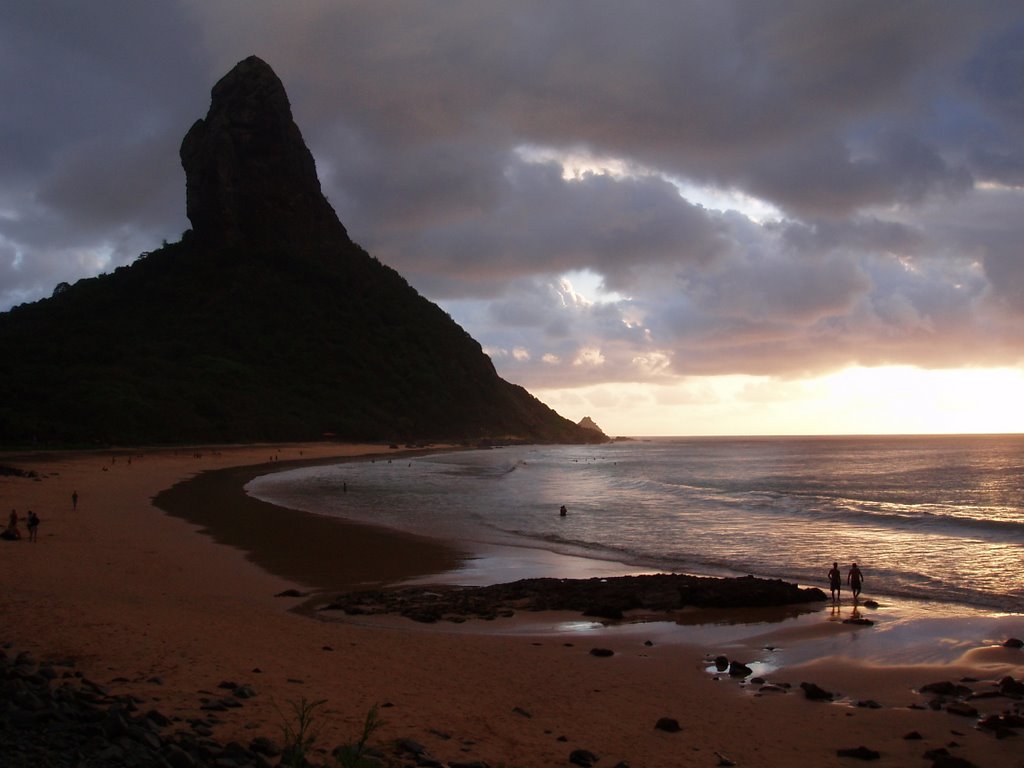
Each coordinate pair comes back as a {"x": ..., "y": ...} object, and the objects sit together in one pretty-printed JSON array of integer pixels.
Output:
[{"x": 946, "y": 524}]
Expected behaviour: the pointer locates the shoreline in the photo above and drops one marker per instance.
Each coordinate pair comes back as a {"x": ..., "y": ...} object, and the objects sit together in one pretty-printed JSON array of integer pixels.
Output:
[
  {"x": 906, "y": 632},
  {"x": 131, "y": 595},
  {"x": 317, "y": 552}
]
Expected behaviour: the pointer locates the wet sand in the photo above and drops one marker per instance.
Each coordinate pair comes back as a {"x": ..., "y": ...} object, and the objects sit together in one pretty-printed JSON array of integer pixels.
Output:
[
  {"x": 146, "y": 604},
  {"x": 315, "y": 552}
]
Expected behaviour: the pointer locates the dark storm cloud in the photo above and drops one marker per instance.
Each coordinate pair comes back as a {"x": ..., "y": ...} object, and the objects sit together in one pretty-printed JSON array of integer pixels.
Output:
[
  {"x": 882, "y": 144},
  {"x": 550, "y": 225},
  {"x": 821, "y": 179},
  {"x": 92, "y": 101}
]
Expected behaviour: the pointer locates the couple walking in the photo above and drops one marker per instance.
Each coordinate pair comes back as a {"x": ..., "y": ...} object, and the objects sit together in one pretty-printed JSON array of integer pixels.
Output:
[{"x": 854, "y": 578}]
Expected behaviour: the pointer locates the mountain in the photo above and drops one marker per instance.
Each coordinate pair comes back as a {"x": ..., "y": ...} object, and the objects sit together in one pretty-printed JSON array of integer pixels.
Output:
[
  {"x": 265, "y": 322},
  {"x": 588, "y": 423}
]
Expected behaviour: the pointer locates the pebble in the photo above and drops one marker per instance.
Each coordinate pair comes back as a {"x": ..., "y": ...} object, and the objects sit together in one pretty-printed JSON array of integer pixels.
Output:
[
  {"x": 859, "y": 753},
  {"x": 668, "y": 724},
  {"x": 582, "y": 757},
  {"x": 816, "y": 693}
]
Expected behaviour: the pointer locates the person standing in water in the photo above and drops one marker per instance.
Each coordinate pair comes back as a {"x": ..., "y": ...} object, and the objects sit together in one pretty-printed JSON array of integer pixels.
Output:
[
  {"x": 835, "y": 581},
  {"x": 855, "y": 579}
]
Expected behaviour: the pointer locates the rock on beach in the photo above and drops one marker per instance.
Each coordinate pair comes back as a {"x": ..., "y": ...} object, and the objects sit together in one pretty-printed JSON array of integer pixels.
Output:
[{"x": 608, "y": 598}]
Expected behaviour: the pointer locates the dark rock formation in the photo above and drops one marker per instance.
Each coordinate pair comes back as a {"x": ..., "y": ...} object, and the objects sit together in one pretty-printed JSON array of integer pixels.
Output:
[
  {"x": 654, "y": 593},
  {"x": 941, "y": 758},
  {"x": 250, "y": 180},
  {"x": 52, "y": 716},
  {"x": 1002, "y": 725},
  {"x": 961, "y": 708},
  {"x": 264, "y": 323},
  {"x": 859, "y": 753},
  {"x": 668, "y": 724},
  {"x": 582, "y": 757},
  {"x": 739, "y": 669},
  {"x": 15, "y": 472},
  {"x": 588, "y": 423},
  {"x": 946, "y": 688},
  {"x": 1012, "y": 688},
  {"x": 815, "y": 692}
]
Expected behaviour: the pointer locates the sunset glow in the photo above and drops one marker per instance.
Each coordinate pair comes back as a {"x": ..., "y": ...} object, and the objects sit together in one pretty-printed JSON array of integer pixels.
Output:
[{"x": 892, "y": 400}]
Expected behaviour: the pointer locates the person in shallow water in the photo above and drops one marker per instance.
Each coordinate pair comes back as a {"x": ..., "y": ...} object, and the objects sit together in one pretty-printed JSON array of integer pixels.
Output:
[
  {"x": 855, "y": 579},
  {"x": 835, "y": 581},
  {"x": 563, "y": 511}
]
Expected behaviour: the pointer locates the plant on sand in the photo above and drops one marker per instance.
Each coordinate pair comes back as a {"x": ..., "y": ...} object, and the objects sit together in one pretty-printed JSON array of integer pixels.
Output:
[
  {"x": 299, "y": 731},
  {"x": 301, "y": 727},
  {"x": 353, "y": 755}
]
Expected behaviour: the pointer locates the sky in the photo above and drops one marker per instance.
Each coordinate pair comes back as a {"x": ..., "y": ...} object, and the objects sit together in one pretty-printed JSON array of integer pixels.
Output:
[{"x": 719, "y": 217}]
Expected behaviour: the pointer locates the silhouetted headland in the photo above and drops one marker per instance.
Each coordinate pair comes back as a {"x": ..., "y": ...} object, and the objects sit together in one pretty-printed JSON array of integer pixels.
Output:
[{"x": 264, "y": 322}]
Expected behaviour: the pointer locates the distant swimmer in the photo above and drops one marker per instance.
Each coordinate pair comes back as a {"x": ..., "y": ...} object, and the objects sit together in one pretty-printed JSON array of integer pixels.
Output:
[
  {"x": 855, "y": 579},
  {"x": 835, "y": 581},
  {"x": 563, "y": 511}
]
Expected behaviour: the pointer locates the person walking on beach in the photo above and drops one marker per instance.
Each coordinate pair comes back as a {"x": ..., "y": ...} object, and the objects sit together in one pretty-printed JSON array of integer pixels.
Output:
[
  {"x": 74, "y": 501},
  {"x": 33, "y": 525},
  {"x": 855, "y": 579},
  {"x": 835, "y": 581}
]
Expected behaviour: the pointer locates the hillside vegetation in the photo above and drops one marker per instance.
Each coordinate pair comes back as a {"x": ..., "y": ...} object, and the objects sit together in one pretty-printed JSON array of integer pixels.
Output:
[{"x": 265, "y": 322}]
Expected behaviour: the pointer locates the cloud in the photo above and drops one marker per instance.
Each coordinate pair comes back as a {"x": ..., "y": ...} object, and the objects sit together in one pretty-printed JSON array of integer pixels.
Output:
[{"x": 871, "y": 153}]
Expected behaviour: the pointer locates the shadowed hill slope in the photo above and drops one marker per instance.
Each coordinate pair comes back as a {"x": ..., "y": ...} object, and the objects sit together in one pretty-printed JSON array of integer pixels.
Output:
[{"x": 266, "y": 322}]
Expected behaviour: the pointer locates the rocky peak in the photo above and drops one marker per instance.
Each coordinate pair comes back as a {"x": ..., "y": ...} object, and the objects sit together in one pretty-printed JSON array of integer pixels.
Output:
[
  {"x": 250, "y": 180},
  {"x": 588, "y": 423}
]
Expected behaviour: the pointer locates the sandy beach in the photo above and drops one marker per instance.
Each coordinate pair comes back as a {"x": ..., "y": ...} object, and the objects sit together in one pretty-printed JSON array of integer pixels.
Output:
[{"x": 166, "y": 608}]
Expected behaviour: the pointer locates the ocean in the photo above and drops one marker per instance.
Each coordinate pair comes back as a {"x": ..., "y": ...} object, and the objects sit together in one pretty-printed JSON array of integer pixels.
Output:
[{"x": 932, "y": 518}]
